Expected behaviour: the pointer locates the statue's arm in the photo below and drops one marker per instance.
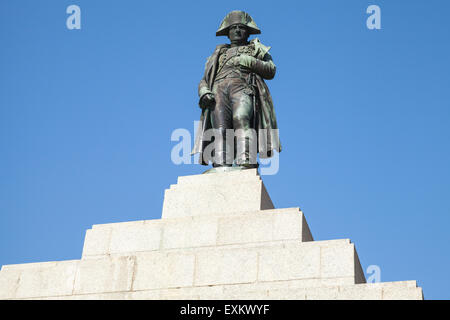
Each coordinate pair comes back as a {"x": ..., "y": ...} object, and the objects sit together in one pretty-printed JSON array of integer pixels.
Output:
[
  {"x": 265, "y": 68},
  {"x": 203, "y": 87}
]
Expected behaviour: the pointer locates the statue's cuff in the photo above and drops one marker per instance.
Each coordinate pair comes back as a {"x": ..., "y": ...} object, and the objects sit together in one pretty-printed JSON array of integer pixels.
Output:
[{"x": 203, "y": 91}]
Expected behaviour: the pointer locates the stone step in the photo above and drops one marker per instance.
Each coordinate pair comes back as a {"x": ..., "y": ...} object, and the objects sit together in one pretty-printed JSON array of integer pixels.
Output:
[
  {"x": 219, "y": 178},
  {"x": 219, "y": 238},
  {"x": 319, "y": 262},
  {"x": 198, "y": 231},
  {"x": 287, "y": 290},
  {"x": 216, "y": 193}
]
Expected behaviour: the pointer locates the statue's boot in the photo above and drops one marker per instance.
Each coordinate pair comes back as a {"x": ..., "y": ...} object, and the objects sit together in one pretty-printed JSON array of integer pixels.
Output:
[
  {"x": 222, "y": 151},
  {"x": 246, "y": 148}
]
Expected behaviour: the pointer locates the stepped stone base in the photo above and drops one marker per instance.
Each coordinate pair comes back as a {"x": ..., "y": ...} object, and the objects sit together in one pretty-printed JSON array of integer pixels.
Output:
[{"x": 219, "y": 238}]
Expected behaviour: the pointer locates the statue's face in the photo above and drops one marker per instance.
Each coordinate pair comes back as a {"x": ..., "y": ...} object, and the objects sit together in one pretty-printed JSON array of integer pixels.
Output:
[{"x": 238, "y": 33}]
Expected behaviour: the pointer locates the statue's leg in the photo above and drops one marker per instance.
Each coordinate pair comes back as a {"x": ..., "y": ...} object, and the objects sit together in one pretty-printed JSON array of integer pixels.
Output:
[
  {"x": 246, "y": 140},
  {"x": 221, "y": 121}
]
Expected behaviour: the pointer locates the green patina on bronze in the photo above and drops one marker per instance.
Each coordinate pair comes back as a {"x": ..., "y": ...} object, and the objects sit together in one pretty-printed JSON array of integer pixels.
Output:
[{"x": 234, "y": 95}]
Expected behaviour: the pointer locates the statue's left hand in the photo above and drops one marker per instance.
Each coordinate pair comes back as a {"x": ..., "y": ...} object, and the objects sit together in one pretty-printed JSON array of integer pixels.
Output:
[
  {"x": 265, "y": 68},
  {"x": 246, "y": 61}
]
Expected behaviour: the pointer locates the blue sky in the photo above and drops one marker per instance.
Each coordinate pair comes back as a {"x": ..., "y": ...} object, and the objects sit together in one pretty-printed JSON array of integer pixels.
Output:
[{"x": 86, "y": 118}]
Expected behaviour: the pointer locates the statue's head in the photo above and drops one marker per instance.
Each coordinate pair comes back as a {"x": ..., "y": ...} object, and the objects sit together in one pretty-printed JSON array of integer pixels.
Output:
[
  {"x": 238, "y": 26},
  {"x": 238, "y": 33}
]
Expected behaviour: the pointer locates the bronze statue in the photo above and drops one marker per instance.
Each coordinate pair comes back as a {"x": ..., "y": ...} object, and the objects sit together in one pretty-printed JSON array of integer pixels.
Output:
[{"x": 233, "y": 95}]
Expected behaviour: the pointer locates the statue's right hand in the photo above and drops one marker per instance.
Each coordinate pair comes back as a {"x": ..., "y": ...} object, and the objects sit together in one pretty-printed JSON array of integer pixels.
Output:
[{"x": 207, "y": 101}]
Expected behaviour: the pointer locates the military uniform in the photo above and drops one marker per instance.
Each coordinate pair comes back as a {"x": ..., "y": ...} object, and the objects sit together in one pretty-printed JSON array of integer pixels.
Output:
[{"x": 234, "y": 75}]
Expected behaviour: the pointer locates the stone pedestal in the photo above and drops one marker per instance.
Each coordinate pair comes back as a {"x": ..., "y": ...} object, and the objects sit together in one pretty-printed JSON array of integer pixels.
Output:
[{"x": 219, "y": 238}]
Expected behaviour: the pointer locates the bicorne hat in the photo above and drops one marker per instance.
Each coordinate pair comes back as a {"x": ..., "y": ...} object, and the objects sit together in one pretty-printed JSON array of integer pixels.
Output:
[{"x": 237, "y": 17}]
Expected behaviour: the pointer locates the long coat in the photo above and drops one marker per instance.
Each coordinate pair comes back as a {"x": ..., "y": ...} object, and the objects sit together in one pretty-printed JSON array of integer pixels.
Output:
[{"x": 268, "y": 140}]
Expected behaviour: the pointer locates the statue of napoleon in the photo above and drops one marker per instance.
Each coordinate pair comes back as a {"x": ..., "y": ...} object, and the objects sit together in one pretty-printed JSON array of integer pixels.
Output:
[{"x": 238, "y": 119}]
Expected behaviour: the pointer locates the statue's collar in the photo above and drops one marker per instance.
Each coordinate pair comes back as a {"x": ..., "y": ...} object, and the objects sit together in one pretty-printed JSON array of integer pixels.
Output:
[{"x": 260, "y": 49}]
